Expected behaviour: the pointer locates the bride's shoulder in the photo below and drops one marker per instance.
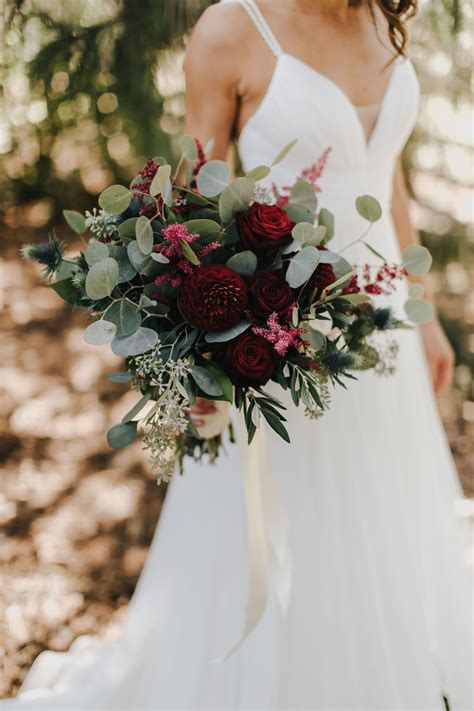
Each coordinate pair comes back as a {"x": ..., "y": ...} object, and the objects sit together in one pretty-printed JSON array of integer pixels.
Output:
[{"x": 220, "y": 29}]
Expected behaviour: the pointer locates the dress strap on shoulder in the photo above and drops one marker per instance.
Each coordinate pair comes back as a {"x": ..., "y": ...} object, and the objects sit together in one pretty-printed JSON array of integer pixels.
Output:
[{"x": 261, "y": 24}]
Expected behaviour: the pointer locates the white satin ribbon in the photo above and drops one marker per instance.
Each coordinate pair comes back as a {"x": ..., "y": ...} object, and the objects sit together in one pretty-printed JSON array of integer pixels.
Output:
[{"x": 267, "y": 527}]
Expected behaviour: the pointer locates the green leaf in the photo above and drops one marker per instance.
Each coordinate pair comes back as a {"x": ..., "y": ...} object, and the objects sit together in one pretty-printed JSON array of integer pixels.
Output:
[
  {"x": 416, "y": 290},
  {"x": 188, "y": 252},
  {"x": 418, "y": 310},
  {"x": 368, "y": 208},
  {"x": 284, "y": 152},
  {"x": 159, "y": 257},
  {"x": 76, "y": 221},
  {"x": 138, "y": 407},
  {"x": 307, "y": 234},
  {"x": 299, "y": 213},
  {"x": 213, "y": 178},
  {"x": 374, "y": 251},
  {"x": 99, "y": 333},
  {"x": 121, "y": 435},
  {"x": 417, "y": 260},
  {"x": 96, "y": 252},
  {"x": 244, "y": 263},
  {"x": 145, "y": 302},
  {"x": 317, "y": 340},
  {"x": 235, "y": 198},
  {"x": 207, "y": 229},
  {"x": 66, "y": 290},
  {"x": 115, "y": 199},
  {"x": 276, "y": 424},
  {"x": 205, "y": 380},
  {"x": 326, "y": 219},
  {"x": 102, "y": 278},
  {"x": 357, "y": 299},
  {"x": 229, "y": 334},
  {"x": 302, "y": 193},
  {"x": 223, "y": 381},
  {"x": 259, "y": 173},
  {"x": 144, "y": 234},
  {"x": 301, "y": 266},
  {"x": 125, "y": 315},
  {"x": 127, "y": 227},
  {"x": 136, "y": 256},
  {"x": 66, "y": 270},
  {"x": 160, "y": 182},
  {"x": 143, "y": 340},
  {"x": 189, "y": 148},
  {"x": 126, "y": 268},
  {"x": 122, "y": 377}
]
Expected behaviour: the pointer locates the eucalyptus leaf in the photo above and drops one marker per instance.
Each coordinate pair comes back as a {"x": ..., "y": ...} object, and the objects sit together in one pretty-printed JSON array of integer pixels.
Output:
[
  {"x": 66, "y": 290},
  {"x": 138, "y": 407},
  {"x": 146, "y": 303},
  {"x": 418, "y": 310},
  {"x": 122, "y": 434},
  {"x": 259, "y": 173},
  {"x": 416, "y": 290},
  {"x": 235, "y": 198},
  {"x": 328, "y": 257},
  {"x": 294, "y": 246},
  {"x": 127, "y": 227},
  {"x": 159, "y": 257},
  {"x": 416, "y": 259},
  {"x": 229, "y": 334},
  {"x": 244, "y": 263},
  {"x": 189, "y": 148},
  {"x": 302, "y": 231},
  {"x": 115, "y": 199},
  {"x": 368, "y": 208},
  {"x": 136, "y": 256},
  {"x": 205, "y": 380},
  {"x": 284, "y": 152},
  {"x": 299, "y": 213},
  {"x": 121, "y": 377},
  {"x": 302, "y": 193},
  {"x": 143, "y": 340},
  {"x": 326, "y": 219},
  {"x": 301, "y": 266},
  {"x": 102, "y": 278},
  {"x": 96, "y": 252},
  {"x": 159, "y": 183},
  {"x": 126, "y": 268},
  {"x": 144, "y": 234},
  {"x": 207, "y": 229},
  {"x": 125, "y": 315},
  {"x": 99, "y": 333},
  {"x": 213, "y": 177},
  {"x": 76, "y": 221}
]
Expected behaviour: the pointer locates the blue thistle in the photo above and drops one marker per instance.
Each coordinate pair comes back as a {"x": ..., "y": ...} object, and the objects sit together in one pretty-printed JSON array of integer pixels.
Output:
[
  {"x": 338, "y": 362},
  {"x": 50, "y": 254},
  {"x": 383, "y": 319}
]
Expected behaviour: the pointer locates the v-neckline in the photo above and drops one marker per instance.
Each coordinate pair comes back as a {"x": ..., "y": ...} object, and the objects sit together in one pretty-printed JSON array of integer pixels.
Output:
[{"x": 366, "y": 142}]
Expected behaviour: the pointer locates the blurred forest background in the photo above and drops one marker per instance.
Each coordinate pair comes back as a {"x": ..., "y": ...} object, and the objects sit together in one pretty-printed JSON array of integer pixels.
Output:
[{"x": 90, "y": 88}]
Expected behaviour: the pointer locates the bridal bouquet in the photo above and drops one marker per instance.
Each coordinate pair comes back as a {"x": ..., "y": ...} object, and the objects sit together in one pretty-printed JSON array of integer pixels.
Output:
[{"x": 212, "y": 287}]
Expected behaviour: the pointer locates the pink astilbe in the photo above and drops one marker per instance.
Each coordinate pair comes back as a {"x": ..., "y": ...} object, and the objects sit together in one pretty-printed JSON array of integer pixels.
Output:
[
  {"x": 311, "y": 174},
  {"x": 149, "y": 169},
  {"x": 281, "y": 337},
  {"x": 174, "y": 236}
]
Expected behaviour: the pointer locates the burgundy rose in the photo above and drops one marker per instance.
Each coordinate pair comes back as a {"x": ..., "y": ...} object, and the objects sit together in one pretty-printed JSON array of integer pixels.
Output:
[
  {"x": 250, "y": 360},
  {"x": 264, "y": 227},
  {"x": 268, "y": 293},
  {"x": 320, "y": 279},
  {"x": 213, "y": 298}
]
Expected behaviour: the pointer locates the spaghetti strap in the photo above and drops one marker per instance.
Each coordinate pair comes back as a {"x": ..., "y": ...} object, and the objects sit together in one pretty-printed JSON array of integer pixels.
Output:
[{"x": 261, "y": 25}]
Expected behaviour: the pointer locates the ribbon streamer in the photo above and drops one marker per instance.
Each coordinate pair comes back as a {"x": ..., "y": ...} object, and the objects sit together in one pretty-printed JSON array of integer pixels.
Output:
[{"x": 267, "y": 528}]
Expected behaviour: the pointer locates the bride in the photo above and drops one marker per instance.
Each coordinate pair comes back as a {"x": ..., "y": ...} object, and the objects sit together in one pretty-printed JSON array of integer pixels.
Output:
[{"x": 378, "y": 612}]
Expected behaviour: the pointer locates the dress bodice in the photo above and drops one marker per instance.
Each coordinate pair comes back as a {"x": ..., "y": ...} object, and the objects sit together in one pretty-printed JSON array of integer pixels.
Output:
[{"x": 302, "y": 103}]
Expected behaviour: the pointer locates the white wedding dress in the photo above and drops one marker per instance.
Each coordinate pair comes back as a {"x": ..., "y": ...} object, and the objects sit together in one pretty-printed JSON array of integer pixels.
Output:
[{"x": 379, "y": 614}]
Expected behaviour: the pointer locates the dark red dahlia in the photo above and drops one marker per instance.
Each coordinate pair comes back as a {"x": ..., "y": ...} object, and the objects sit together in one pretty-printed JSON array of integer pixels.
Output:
[
  {"x": 213, "y": 298},
  {"x": 270, "y": 293}
]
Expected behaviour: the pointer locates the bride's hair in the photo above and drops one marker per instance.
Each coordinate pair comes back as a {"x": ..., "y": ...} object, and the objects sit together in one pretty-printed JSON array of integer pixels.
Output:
[{"x": 396, "y": 12}]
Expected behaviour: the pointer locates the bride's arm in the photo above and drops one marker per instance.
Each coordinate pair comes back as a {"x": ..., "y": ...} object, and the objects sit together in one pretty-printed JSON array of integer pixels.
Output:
[
  {"x": 438, "y": 350},
  {"x": 211, "y": 104}
]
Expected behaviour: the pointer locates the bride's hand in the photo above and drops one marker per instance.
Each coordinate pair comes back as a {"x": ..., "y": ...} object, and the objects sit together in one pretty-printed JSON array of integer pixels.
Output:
[
  {"x": 440, "y": 355},
  {"x": 209, "y": 417}
]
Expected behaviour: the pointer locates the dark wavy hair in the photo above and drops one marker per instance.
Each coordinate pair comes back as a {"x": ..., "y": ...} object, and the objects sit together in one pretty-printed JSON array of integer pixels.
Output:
[{"x": 396, "y": 12}]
